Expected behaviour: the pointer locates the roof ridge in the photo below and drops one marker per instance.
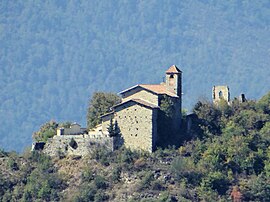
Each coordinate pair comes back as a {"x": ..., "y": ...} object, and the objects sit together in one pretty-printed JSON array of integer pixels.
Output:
[
  {"x": 154, "y": 88},
  {"x": 139, "y": 101},
  {"x": 173, "y": 69}
]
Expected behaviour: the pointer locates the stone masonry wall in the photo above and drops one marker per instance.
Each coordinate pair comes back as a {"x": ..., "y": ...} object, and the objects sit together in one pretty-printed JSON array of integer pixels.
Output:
[
  {"x": 106, "y": 122},
  {"x": 135, "y": 123},
  {"x": 154, "y": 129},
  {"x": 60, "y": 144}
]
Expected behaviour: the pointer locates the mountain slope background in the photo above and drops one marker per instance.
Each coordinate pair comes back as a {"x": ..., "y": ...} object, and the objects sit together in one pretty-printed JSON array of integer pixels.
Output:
[{"x": 55, "y": 54}]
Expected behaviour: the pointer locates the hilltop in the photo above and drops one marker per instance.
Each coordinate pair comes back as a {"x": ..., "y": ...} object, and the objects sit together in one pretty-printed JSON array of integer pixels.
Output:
[{"x": 225, "y": 156}]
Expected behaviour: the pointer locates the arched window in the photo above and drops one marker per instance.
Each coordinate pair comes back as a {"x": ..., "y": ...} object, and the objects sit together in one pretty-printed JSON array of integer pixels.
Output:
[
  {"x": 171, "y": 80},
  {"x": 220, "y": 94}
]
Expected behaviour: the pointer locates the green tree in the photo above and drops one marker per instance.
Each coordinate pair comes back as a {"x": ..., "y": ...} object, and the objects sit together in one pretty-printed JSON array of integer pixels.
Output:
[
  {"x": 265, "y": 134},
  {"x": 257, "y": 188},
  {"x": 215, "y": 181},
  {"x": 117, "y": 131},
  {"x": 264, "y": 103},
  {"x": 100, "y": 104},
  {"x": 250, "y": 119},
  {"x": 114, "y": 129},
  {"x": 166, "y": 105},
  {"x": 111, "y": 128},
  {"x": 47, "y": 130},
  {"x": 208, "y": 117}
]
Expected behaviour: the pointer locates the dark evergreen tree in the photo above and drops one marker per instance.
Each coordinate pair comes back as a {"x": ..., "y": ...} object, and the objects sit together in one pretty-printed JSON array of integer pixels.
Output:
[
  {"x": 117, "y": 131},
  {"x": 114, "y": 129},
  {"x": 111, "y": 128}
]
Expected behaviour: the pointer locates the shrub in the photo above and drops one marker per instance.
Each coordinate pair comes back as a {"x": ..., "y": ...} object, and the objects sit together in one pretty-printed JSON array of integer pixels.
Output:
[
  {"x": 215, "y": 181},
  {"x": 88, "y": 175},
  {"x": 166, "y": 197},
  {"x": 116, "y": 174},
  {"x": 157, "y": 185},
  {"x": 100, "y": 153},
  {"x": 12, "y": 164},
  {"x": 146, "y": 181},
  {"x": 47, "y": 130},
  {"x": 87, "y": 193},
  {"x": 183, "y": 167},
  {"x": 101, "y": 196},
  {"x": 100, "y": 182}
]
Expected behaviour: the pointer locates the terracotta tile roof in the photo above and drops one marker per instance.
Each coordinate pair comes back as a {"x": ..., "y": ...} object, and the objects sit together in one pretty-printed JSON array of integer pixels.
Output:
[
  {"x": 139, "y": 101},
  {"x": 145, "y": 103},
  {"x": 159, "y": 89},
  {"x": 128, "y": 89},
  {"x": 173, "y": 69},
  {"x": 155, "y": 88}
]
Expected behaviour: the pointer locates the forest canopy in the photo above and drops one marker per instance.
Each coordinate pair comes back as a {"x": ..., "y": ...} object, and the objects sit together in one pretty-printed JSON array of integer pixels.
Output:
[{"x": 55, "y": 54}]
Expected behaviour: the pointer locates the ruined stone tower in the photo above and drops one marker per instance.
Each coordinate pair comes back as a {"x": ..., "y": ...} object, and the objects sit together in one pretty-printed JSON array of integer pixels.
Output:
[{"x": 221, "y": 93}]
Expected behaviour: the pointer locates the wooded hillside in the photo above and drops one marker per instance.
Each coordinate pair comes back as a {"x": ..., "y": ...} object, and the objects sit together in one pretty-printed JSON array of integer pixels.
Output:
[
  {"x": 55, "y": 54},
  {"x": 225, "y": 156}
]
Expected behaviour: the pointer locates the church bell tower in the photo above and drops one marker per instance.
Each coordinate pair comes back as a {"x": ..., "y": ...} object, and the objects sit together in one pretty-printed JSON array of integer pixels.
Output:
[
  {"x": 174, "y": 85},
  {"x": 174, "y": 80}
]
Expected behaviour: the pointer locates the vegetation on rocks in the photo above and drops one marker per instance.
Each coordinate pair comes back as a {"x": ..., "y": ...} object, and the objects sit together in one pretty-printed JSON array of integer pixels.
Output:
[{"x": 48, "y": 130}]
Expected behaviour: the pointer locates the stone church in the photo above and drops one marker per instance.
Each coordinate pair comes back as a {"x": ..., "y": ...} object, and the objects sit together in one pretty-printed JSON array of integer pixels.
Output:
[
  {"x": 139, "y": 112},
  {"x": 142, "y": 119}
]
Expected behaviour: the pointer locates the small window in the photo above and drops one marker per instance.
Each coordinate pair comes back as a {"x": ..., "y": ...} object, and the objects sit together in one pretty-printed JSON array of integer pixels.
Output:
[
  {"x": 135, "y": 135},
  {"x": 171, "y": 80},
  {"x": 220, "y": 94}
]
